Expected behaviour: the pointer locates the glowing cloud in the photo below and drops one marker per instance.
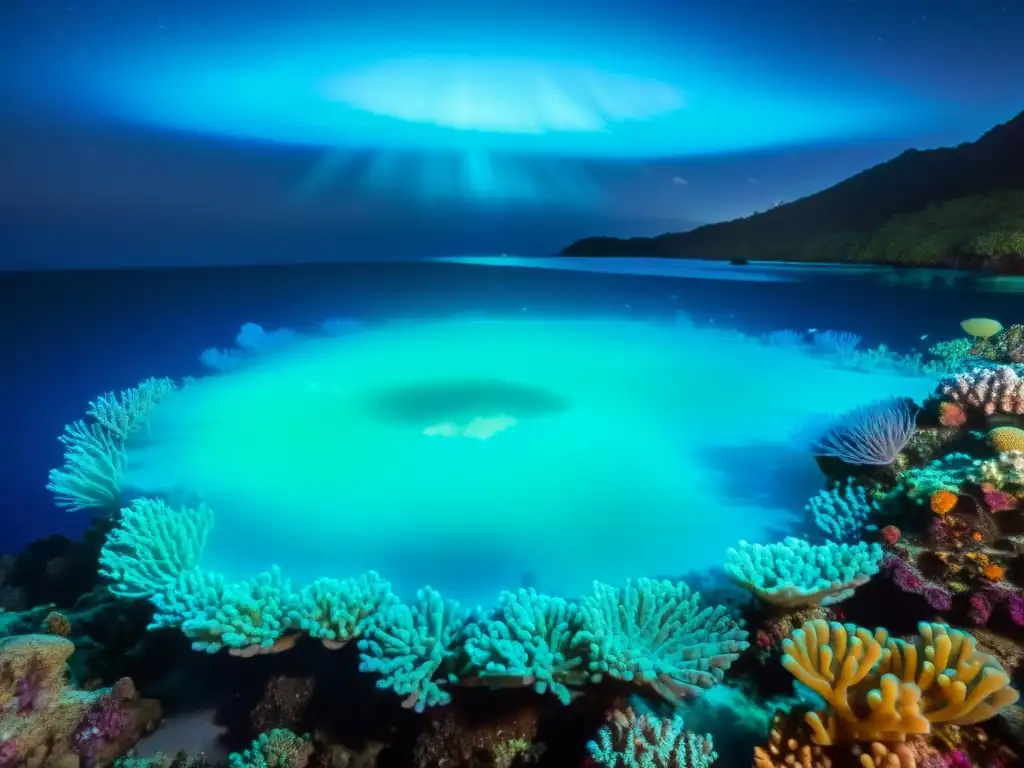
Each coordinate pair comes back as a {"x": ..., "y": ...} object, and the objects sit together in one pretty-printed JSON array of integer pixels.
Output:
[
  {"x": 503, "y": 95},
  {"x": 503, "y": 103}
]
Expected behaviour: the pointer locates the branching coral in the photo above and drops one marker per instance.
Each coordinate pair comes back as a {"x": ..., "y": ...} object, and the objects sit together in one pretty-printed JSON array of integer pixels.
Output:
[
  {"x": 655, "y": 633},
  {"x": 649, "y": 741},
  {"x": 884, "y": 689},
  {"x": 793, "y": 573},
  {"x": 151, "y": 545},
  {"x": 843, "y": 511},
  {"x": 278, "y": 748},
  {"x": 985, "y": 391},
  {"x": 338, "y": 610},
  {"x": 94, "y": 455},
  {"x": 533, "y": 640},
  {"x": 415, "y": 649},
  {"x": 652, "y": 633}
]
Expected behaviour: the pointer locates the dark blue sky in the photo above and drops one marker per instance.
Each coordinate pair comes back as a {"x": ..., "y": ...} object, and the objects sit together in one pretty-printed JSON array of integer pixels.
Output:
[{"x": 167, "y": 132}]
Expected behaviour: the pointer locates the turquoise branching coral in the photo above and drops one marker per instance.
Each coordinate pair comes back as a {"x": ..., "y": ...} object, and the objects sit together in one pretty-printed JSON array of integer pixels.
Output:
[
  {"x": 843, "y": 511},
  {"x": 656, "y": 633},
  {"x": 794, "y": 573},
  {"x": 532, "y": 638},
  {"x": 94, "y": 455},
  {"x": 648, "y": 633},
  {"x": 649, "y": 741},
  {"x": 416, "y": 649},
  {"x": 278, "y": 748}
]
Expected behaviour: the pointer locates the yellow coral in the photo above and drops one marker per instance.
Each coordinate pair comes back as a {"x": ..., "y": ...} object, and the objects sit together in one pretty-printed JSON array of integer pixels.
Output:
[
  {"x": 981, "y": 327},
  {"x": 1006, "y": 439},
  {"x": 942, "y": 502},
  {"x": 884, "y": 689},
  {"x": 789, "y": 746}
]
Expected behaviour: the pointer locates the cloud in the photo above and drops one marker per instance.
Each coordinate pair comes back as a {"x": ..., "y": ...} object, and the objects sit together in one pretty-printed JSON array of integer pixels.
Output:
[
  {"x": 680, "y": 181},
  {"x": 751, "y": 180}
]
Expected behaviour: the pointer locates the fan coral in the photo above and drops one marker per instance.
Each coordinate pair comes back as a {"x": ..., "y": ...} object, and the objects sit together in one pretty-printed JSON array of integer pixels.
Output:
[
  {"x": 986, "y": 390},
  {"x": 872, "y": 434},
  {"x": 651, "y": 742},
  {"x": 793, "y": 573},
  {"x": 884, "y": 689}
]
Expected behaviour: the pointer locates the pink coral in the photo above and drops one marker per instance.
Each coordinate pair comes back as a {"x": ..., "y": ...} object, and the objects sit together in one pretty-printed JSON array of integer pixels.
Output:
[
  {"x": 980, "y": 610},
  {"x": 997, "y": 500},
  {"x": 989, "y": 390},
  {"x": 104, "y": 722}
]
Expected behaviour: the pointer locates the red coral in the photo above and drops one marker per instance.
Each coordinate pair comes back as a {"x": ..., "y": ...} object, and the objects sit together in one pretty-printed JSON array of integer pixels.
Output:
[{"x": 891, "y": 534}]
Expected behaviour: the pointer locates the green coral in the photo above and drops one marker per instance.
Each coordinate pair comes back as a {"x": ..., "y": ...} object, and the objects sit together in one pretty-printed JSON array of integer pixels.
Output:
[
  {"x": 949, "y": 473},
  {"x": 278, "y": 748}
]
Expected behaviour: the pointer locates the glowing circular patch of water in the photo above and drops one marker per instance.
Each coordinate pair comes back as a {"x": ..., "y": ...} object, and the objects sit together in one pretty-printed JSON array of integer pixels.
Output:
[{"x": 476, "y": 455}]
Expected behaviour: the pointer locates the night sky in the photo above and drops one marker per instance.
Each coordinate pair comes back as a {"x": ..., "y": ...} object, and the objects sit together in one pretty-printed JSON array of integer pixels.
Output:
[{"x": 189, "y": 131}]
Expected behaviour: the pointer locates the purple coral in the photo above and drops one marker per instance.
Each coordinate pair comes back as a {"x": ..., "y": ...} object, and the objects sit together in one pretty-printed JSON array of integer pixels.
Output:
[
  {"x": 104, "y": 722},
  {"x": 8, "y": 754},
  {"x": 980, "y": 610},
  {"x": 871, "y": 435},
  {"x": 909, "y": 580}
]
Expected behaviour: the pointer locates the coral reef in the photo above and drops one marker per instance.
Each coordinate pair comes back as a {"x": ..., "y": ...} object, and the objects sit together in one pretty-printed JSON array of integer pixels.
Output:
[
  {"x": 44, "y": 722},
  {"x": 918, "y": 528}
]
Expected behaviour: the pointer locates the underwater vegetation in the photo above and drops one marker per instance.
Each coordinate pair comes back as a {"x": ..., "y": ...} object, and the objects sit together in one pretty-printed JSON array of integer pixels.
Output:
[{"x": 208, "y": 487}]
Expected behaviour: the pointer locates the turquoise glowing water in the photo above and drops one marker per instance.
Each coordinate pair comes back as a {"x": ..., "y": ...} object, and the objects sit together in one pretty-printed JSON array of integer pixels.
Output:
[{"x": 628, "y": 449}]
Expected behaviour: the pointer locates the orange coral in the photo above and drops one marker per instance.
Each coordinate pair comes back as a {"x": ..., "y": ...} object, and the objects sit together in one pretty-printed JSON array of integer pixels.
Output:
[
  {"x": 994, "y": 572},
  {"x": 952, "y": 415},
  {"x": 943, "y": 501}
]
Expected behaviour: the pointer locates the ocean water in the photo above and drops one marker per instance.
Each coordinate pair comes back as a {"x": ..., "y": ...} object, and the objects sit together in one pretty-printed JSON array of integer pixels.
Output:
[{"x": 476, "y": 426}]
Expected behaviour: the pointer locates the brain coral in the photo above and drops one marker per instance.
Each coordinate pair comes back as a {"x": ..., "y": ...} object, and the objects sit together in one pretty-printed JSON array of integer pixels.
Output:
[{"x": 1007, "y": 439}]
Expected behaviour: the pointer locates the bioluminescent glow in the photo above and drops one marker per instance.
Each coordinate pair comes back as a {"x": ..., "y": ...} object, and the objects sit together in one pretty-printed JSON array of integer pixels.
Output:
[
  {"x": 478, "y": 454},
  {"x": 302, "y": 88},
  {"x": 463, "y": 103},
  {"x": 503, "y": 96}
]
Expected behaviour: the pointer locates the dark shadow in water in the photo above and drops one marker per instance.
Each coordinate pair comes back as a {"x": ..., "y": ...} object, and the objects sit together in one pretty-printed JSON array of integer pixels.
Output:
[
  {"x": 457, "y": 401},
  {"x": 773, "y": 475}
]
